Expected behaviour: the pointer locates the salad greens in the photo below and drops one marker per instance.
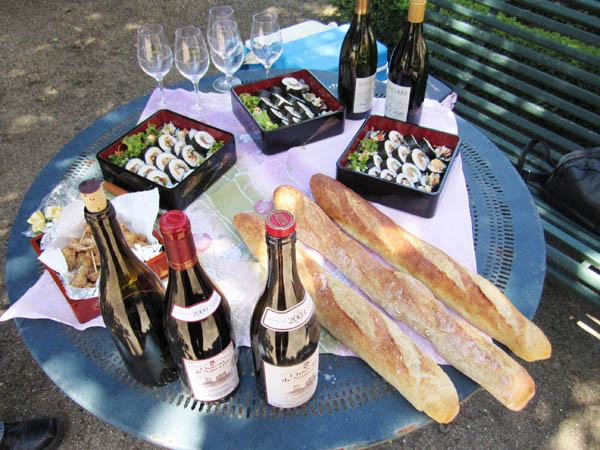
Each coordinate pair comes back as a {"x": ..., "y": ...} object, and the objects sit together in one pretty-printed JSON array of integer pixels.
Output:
[
  {"x": 262, "y": 118},
  {"x": 134, "y": 144}
]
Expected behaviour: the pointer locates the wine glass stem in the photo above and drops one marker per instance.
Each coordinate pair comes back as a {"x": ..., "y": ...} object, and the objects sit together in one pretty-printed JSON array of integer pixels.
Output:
[
  {"x": 197, "y": 94},
  {"x": 162, "y": 92},
  {"x": 267, "y": 70}
]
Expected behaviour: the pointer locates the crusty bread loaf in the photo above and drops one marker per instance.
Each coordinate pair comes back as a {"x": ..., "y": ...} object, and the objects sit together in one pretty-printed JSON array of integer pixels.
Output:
[
  {"x": 409, "y": 301},
  {"x": 366, "y": 331},
  {"x": 467, "y": 293}
]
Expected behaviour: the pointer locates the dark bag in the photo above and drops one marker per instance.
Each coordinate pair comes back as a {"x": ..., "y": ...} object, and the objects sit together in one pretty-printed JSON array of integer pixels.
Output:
[{"x": 573, "y": 187}]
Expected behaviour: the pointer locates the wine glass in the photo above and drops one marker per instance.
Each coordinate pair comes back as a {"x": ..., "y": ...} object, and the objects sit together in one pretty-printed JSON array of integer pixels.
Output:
[
  {"x": 265, "y": 39},
  {"x": 191, "y": 57},
  {"x": 155, "y": 57},
  {"x": 226, "y": 52},
  {"x": 215, "y": 14}
]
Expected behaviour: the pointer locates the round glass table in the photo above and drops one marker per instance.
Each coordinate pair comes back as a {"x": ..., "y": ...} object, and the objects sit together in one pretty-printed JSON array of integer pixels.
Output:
[{"x": 353, "y": 406}]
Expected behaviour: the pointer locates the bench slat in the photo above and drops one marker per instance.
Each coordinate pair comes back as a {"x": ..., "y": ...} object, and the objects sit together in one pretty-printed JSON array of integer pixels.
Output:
[
  {"x": 518, "y": 85},
  {"x": 546, "y": 22},
  {"x": 565, "y": 12},
  {"x": 516, "y": 31}
]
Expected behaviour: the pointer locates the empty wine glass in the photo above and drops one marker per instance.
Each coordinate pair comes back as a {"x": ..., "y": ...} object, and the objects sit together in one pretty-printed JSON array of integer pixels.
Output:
[
  {"x": 215, "y": 14},
  {"x": 191, "y": 57},
  {"x": 154, "y": 54},
  {"x": 265, "y": 39},
  {"x": 226, "y": 52}
]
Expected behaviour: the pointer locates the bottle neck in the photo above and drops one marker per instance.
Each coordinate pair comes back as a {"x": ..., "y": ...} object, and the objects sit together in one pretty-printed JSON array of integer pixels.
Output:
[
  {"x": 416, "y": 11},
  {"x": 109, "y": 238},
  {"x": 181, "y": 253},
  {"x": 282, "y": 260},
  {"x": 361, "y": 8}
]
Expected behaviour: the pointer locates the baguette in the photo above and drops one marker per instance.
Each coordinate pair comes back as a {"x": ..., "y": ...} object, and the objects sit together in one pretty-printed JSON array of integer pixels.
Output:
[
  {"x": 409, "y": 301},
  {"x": 467, "y": 293},
  {"x": 366, "y": 331}
]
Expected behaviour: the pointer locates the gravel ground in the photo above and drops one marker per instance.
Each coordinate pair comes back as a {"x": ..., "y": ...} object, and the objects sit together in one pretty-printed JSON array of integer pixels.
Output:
[{"x": 69, "y": 63}]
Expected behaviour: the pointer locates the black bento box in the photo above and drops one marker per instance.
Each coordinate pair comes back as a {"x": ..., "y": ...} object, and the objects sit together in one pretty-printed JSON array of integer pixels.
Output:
[
  {"x": 293, "y": 135},
  {"x": 187, "y": 190},
  {"x": 390, "y": 193}
]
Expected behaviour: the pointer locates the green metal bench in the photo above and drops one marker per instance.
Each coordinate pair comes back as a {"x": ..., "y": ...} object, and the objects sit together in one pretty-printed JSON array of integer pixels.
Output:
[{"x": 517, "y": 82}]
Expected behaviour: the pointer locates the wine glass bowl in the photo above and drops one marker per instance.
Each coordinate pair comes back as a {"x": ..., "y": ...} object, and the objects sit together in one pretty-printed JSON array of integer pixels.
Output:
[
  {"x": 191, "y": 57},
  {"x": 265, "y": 39},
  {"x": 155, "y": 57},
  {"x": 226, "y": 52}
]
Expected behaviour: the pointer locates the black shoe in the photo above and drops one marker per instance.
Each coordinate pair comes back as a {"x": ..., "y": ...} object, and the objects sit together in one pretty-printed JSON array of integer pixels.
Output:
[{"x": 40, "y": 434}]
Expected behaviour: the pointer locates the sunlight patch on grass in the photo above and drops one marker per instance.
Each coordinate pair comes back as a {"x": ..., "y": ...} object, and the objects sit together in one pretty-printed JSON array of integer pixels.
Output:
[
  {"x": 132, "y": 26},
  {"x": 15, "y": 73},
  {"x": 27, "y": 122},
  {"x": 95, "y": 17},
  {"x": 41, "y": 47},
  {"x": 50, "y": 91}
]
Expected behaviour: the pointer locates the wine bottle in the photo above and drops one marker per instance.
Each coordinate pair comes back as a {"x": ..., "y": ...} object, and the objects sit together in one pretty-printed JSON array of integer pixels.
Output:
[
  {"x": 197, "y": 317},
  {"x": 408, "y": 70},
  {"x": 284, "y": 329},
  {"x": 131, "y": 295},
  {"x": 358, "y": 64}
]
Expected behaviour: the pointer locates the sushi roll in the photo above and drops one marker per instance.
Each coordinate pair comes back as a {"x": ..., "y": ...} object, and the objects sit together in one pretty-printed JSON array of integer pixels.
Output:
[
  {"x": 411, "y": 142},
  {"x": 180, "y": 135},
  {"x": 134, "y": 164},
  {"x": 191, "y": 156},
  {"x": 277, "y": 116},
  {"x": 377, "y": 161},
  {"x": 436, "y": 166},
  {"x": 291, "y": 84},
  {"x": 387, "y": 175},
  {"x": 169, "y": 128},
  {"x": 393, "y": 165},
  {"x": 178, "y": 146},
  {"x": 166, "y": 142},
  {"x": 396, "y": 137},
  {"x": 419, "y": 159},
  {"x": 412, "y": 172},
  {"x": 163, "y": 159},
  {"x": 389, "y": 147},
  {"x": 402, "y": 153},
  {"x": 442, "y": 152},
  {"x": 430, "y": 179},
  {"x": 279, "y": 100},
  {"x": 294, "y": 113},
  {"x": 305, "y": 110},
  {"x": 159, "y": 177},
  {"x": 189, "y": 137},
  {"x": 177, "y": 170},
  {"x": 150, "y": 154},
  {"x": 427, "y": 148},
  {"x": 374, "y": 171},
  {"x": 145, "y": 170},
  {"x": 203, "y": 141},
  {"x": 404, "y": 180},
  {"x": 275, "y": 90}
]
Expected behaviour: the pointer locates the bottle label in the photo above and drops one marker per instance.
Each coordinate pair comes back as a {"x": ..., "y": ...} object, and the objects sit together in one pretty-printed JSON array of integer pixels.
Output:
[
  {"x": 290, "y": 319},
  {"x": 213, "y": 378},
  {"x": 363, "y": 94},
  {"x": 197, "y": 312},
  {"x": 291, "y": 386},
  {"x": 396, "y": 101}
]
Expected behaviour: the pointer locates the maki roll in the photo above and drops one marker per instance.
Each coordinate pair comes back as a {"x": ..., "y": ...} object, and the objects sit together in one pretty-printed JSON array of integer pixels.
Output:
[
  {"x": 419, "y": 159},
  {"x": 308, "y": 113},
  {"x": 180, "y": 135},
  {"x": 275, "y": 90},
  {"x": 189, "y": 138},
  {"x": 374, "y": 171},
  {"x": 291, "y": 84},
  {"x": 279, "y": 100},
  {"x": 393, "y": 165},
  {"x": 159, "y": 177},
  {"x": 277, "y": 116},
  {"x": 442, "y": 152},
  {"x": 166, "y": 142},
  {"x": 412, "y": 172},
  {"x": 411, "y": 142},
  {"x": 169, "y": 128},
  {"x": 387, "y": 175},
  {"x": 163, "y": 159},
  {"x": 294, "y": 113},
  {"x": 203, "y": 141},
  {"x": 150, "y": 154},
  {"x": 134, "y": 164},
  {"x": 404, "y": 180},
  {"x": 402, "y": 153},
  {"x": 396, "y": 137},
  {"x": 427, "y": 148},
  {"x": 389, "y": 147},
  {"x": 430, "y": 179},
  {"x": 377, "y": 160},
  {"x": 145, "y": 170},
  {"x": 178, "y": 146},
  {"x": 177, "y": 170},
  {"x": 191, "y": 156},
  {"x": 436, "y": 166}
]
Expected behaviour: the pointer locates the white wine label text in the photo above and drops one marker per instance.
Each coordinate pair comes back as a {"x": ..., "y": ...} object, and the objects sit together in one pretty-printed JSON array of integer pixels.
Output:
[
  {"x": 290, "y": 319},
  {"x": 363, "y": 94},
  {"x": 213, "y": 378},
  {"x": 197, "y": 312},
  {"x": 396, "y": 101},
  {"x": 291, "y": 386}
]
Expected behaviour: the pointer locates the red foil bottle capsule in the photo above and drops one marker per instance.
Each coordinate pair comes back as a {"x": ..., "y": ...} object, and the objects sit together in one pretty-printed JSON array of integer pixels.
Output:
[
  {"x": 284, "y": 329},
  {"x": 197, "y": 318}
]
